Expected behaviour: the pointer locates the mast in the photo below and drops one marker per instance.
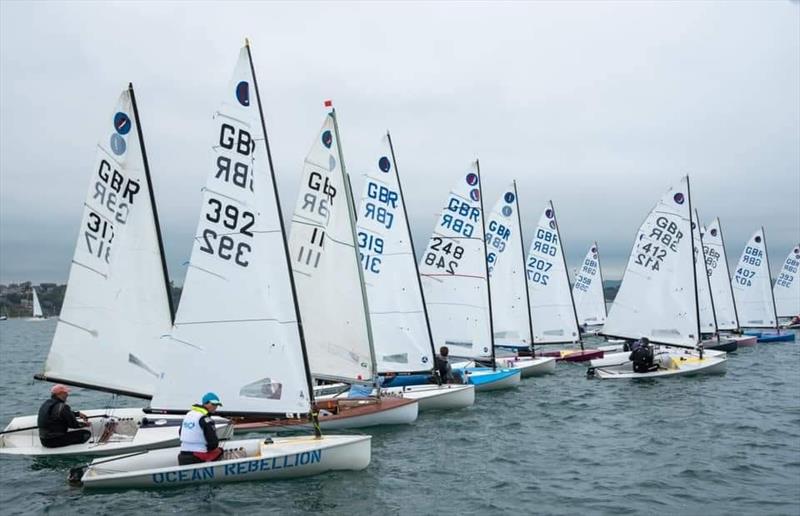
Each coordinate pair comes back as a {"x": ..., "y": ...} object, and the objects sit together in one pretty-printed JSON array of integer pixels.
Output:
[
  {"x": 708, "y": 279},
  {"x": 566, "y": 270},
  {"x": 486, "y": 262},
  {"x": 357, "y": 253},
  {"x": 152, "y": 203},
  {"x": 524, "y": 269},
  {"x": 728, "y": 274},
  {"x": 602, "y": 286},
  {"x": 694, "y": 264},
  {"x": 769, "y": 278},
  {"x": 413, "y": 252},
  {"x": 313, "y": 413}
]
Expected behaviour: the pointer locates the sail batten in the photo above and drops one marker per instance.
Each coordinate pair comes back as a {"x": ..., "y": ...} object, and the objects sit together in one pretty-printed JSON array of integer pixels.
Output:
[
  {"x": 117, "y": 299},
  {"x": 237, "y": 312}
]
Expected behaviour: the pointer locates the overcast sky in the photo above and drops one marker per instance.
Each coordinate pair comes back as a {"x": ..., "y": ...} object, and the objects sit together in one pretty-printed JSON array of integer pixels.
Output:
[{"x": 599, "y": 106}]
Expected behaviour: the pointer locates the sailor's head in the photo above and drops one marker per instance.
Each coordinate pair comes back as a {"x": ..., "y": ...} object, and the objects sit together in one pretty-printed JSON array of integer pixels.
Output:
[
  {"x": 645, "y": 341},
  {"x": 60, "y": 391},
  {"x": 211, "y": 401},
  {"x": 444, "y": 351}
]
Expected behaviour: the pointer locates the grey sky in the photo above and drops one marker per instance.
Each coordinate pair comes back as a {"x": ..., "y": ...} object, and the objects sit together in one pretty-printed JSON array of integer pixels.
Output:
[{"x": 597, "y": 106}]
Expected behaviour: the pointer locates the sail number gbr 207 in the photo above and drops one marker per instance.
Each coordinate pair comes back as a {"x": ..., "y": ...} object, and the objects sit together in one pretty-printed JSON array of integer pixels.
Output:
[{"x": 226, "y": 230}]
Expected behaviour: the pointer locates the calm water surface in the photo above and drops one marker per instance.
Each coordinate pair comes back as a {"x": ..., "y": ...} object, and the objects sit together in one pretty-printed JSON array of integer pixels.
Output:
[{"x": 561, "y": 444}]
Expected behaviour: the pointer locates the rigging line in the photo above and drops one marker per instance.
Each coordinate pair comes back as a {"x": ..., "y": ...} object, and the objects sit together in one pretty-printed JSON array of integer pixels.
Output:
[
  {"x": 207, "y": 271},
  {"x": 215, "y": 192},
  {"x": 432, "y": 275},
  {"x": 229, "y": 117},
  {"x": 299, "y": 218},
  {"x": 93, "y": 333},
  {"x": 397, "y": 312},
  {"x": 228, "y": 321},
  {"x": 105, "y": 276},
  {"x": 459, "y": 304}
]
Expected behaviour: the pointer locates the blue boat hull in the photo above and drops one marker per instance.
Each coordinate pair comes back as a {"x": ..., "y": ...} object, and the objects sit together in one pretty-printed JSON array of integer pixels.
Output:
[{"x": 768, "y": 336}]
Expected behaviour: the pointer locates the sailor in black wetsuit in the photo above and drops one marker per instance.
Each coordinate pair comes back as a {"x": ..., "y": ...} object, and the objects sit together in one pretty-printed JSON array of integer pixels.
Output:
[
  {"x": 444, "y": 369},
  {"x": 56, "y": 418},
  {"x": 642, "y": 356}
]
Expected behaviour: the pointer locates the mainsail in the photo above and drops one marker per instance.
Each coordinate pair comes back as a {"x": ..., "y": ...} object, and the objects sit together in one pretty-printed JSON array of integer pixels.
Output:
[
  {"x": 705, "y": 303},
  {"x": 117, "y": 304},
  {"x": 327, "y": 267},
  {"x": 552, "y": 308},
  {"x": 719, "y": 277},
  {"x": 658, "y": 297},
  {"x": 787, "y": 286},
  {"x": 236, "y": 332},
  {"x": 588, "y": 293},
  {"x": 505, "y": 255},
  {"x": 396, "y": 307},
  {"x": 455, "y": 275},
  {"x": 752, "y": 285},
  {"x": 37, "y": 308}
]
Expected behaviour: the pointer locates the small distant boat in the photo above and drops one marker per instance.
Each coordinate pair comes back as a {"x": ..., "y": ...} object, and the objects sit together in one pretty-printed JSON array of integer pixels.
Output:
[
  {"x": 752, "y": 288},
  {"x": 589, "y": 294},
  {"x": 455, "y": 280},
  {"x": 37, "y": 315},
  {"x": 657, "y": 298}
]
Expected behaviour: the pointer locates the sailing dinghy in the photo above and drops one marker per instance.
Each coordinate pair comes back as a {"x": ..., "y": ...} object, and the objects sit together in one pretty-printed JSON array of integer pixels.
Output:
[
  {"x": 330, "y": 286},
  {"x": 588, "y": 293},
  {"x": 116, "y": 306},
  {"x": 657, "y": 298},
  {"x": 552, "y": 309},
  {"x": 787, "y": 287},
  {"x": 510, "y": 305},
  {"x": 38, "y": 315},
  {"x": 455, "y": 281},
  {"x": 752, "y": 289},
  {"x": 238, "y": 301}
]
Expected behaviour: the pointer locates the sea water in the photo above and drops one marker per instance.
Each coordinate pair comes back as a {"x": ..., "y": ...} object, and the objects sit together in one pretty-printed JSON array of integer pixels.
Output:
[{"x": 560, "y": 444}]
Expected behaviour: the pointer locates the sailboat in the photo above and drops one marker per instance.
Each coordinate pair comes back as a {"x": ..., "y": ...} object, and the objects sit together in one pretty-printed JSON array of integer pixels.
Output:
[
  {"x": 397, "y": 313},
  {"x": 38, "y": 315},
  {"x": 752, "y": 289},
  {"x": 657, "y": 298},
  {"x": 720, "y": 281},
  {"x": 588, "y": 292},
  {"x": 455, "y": 281},
  {"x": 116, "y": 306},
  {"x": 330, "y": 286},
  {"x": 787, "y": 287},
  {"x": 239, "y": 313},
  {"x": 552, "y": 308},
  {"x": 510, "y": 304}
]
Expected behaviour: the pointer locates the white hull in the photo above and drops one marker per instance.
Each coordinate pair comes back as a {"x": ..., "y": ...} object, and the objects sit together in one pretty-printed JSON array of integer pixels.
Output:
[
  {"x": 436, "y": 397},
  {"x": 161, "y": 431},
  {"x": 682, "y": 366},
  {"x": 622, "y": 357},
  {"x": 285, "y": 457},
  {"x": 401, "y": 415},
  {"x": 529, "y": 366}
]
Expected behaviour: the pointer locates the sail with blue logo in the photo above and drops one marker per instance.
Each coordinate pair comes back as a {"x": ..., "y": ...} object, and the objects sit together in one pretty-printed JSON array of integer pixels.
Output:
[
  {"x": 236, "y": 331},
  {"x": 116, "y": 306},
  {"x": 656, "y": 298},
  {"x": 454, "y": 273},
  {"x": 396, "y": 309},
  {"x": 327, "y": 267},
  {"x": 587, "y": 292},
  {"x": 719, "y": 277},
  {"x": 752, "y": 285},
  {"x": 552, "y": 308},
  {"x": 504, "y": 254},
  {"x": 787, "y": 285}
]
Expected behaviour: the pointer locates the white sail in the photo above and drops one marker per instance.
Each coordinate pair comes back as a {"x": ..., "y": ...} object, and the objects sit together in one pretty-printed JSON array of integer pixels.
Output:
[
  {"x": 719, "y": 277},
  {"x": 397, "y": 313},
  {"x": 552, "y": 309},
  {"x": 656, "y": 298},
  {"x": 787, "y": 286},
  {"x": 590, "y": 301},
  {"x": 705, "y": 302},
  {"x": 236, "y": 331},
  {"x": 37, "y": 308},
  {"x": 327, "y": 267},
  {"x": 116, "y": 306},
  {"x": 510, "y": 317},
  {"x": 752, "y": 285},
  {"x": 454, "y": 273}
]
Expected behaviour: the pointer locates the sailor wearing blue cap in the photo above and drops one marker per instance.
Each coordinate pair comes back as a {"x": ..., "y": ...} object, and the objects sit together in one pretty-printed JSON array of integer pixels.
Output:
[{"x": 199, "y": 441}]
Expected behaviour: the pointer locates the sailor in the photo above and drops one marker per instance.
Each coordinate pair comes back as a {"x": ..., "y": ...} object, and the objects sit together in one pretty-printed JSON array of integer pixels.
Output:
[
  {"x": 443, "y": 368},
  {"x": 56, "y": 418},
  {"x": 199, "y": 441},
  {"x": 642, "y": 356}
]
